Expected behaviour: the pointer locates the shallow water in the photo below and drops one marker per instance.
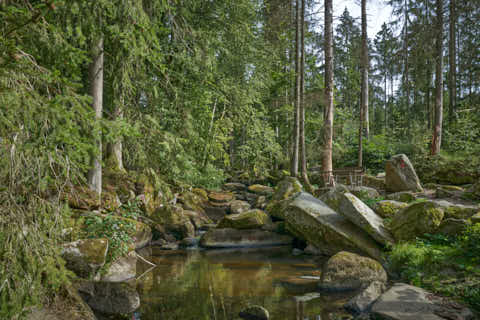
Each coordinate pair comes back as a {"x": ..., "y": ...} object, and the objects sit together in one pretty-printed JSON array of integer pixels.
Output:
[{"x": 218, "y": 284}]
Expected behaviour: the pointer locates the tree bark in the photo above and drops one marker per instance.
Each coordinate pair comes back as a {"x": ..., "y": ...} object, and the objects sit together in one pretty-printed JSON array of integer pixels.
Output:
[
  {"x": 296, "y": 126},
  {"x": 303, "y": 151},
  {"x": 328, "y": 119},
  {"x": 406, "y": 66},
  {"x": 96, "y": 91},
  {"x": 452, "y": 76},
  {"x": 437, "y": 132},
  {"x": 115, "y": 149},
  {"x": 365, "y": 68}
]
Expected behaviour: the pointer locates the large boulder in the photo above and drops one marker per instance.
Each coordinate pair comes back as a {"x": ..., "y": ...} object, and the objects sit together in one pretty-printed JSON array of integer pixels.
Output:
[
  {"x": 221, "y": 197},
  {"x": 312, "y": 220},
  {"x": 348, "y": 271},
  {"x": 400, "y": 175},
  {"x": 110, "y": 298},
  {"x": 122, "y": 269},
  {"x": 364, "y": 217},
  {"x": 252, "y": 219},
  {"x": 388, "y": 208},
  {"x": 416, "y": 220},
  {"x": 85, "y": 257},
  {"x": 406, "y": 302},
  {"x": 232, "y": 238},
  {"x": 173, "y": 219}
]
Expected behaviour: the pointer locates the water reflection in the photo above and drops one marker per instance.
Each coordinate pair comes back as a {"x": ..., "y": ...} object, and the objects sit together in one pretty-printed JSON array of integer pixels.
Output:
[{"x": 217, "y": 284}]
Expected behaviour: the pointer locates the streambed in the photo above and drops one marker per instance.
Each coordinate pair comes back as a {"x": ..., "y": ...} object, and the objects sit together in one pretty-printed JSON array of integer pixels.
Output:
[{"x": 218, "y": 284}]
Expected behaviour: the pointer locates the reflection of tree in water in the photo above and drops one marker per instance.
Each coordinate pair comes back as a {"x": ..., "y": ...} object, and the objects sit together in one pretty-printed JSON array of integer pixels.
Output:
[{"x": 217, "y": 285}]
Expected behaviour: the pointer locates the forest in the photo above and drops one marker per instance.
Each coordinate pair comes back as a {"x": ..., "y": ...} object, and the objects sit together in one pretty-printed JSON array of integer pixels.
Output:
[{"x": 140, "y": 138}]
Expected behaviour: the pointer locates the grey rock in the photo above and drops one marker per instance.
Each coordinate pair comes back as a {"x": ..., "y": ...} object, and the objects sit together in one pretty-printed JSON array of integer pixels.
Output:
[
  {"x": 364, "y": 217},
  {"x": 111, "y": 298},
  {"x": 85, "y": 257},
  {"x": 312, "y": 220},
  {"x": 400, "y": 175},
  {"x": 406, "y": 302},
  {"x": 403, "y": 196},
  {"x": 364, "y": 192},
  {"x": 122, "y": 269},
  {"x": 364, "y": 300},
  {"x": 452, "y": 226}
]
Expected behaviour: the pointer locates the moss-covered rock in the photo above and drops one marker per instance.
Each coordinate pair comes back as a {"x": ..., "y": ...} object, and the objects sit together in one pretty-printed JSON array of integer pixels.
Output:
[
  {"x": 333, "y": 196},
  {"x": 313, "y": 221},
  {"x": 193, "y": 201},
  {"x": 252, "y": 219},
  {"x": 476, "y": 218},
  {"x": 474, "y": 191},
  {"x": 452, "y": 227},
  {"x": 277, "y": 209},
  {"x": 261, "y": 189},
  {"x": 404, "y": 196},
  {"x": 374, "y": 182},
  {"x": 234, "y": 186},
  {"x": 456, "y": 210},
  {"x": 173, "y": 219},
  {"x": 239, "y": 206},
  {"x": 254, "y": 312},
  {"x": 286, "y": 188},
  {"x": 400, "y": 175},
  {"x": 364, "y": 192},
  {"x": 198, "y": 219},
  {"x": 416, "y": 220},
  {"x": 233, "y": 238},
  {"x": 348, "y": 271},
  {"x": 221, "y": 197},
  {"x": 85, "y": 257},
  {"x": 388, "y": 208}
]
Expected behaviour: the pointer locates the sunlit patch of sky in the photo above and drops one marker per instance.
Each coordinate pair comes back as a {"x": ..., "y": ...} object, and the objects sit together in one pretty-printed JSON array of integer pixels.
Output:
[{"x": 378, "y": 12}]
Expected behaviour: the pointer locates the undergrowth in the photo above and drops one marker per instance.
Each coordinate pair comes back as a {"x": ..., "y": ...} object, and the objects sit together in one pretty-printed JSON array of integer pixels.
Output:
[{"x": 448, "y": 266}]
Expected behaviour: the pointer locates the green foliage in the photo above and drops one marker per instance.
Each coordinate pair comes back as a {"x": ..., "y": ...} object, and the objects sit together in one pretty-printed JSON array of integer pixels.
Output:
[
  {"x": 448, "y": 266},
  {"x": 118, "y": 231}
]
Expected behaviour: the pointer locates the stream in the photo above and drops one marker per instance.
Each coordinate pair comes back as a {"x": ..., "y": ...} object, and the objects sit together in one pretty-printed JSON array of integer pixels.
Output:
[{"x": 218, "y": 284}]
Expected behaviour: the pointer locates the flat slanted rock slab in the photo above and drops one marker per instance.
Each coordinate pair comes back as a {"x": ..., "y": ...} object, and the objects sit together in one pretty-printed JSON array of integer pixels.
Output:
[
  {"x": 221, "y": 197},
  {"x": 313, "y": 221},
  {"x": 406, "y": 302},
  {"x": 364, "y": 217},
  {"x": 232, "y": 238}
]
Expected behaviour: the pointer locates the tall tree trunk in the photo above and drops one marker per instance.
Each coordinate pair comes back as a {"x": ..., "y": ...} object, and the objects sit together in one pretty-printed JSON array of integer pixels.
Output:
[
  {"x": 96, "y": 91},
  {"x": 328, "y": 119},
  {"x": 115, "y": 149},
  {"x": 385, "y": 100},
  {"x": 406, "y": 66},
  {"x": 360, "y": 136},
  {"x": 303, "y": 151},
  {"x": 437, "y": 132},
  {"x": 452, "y": 76},
  {"x": 365, "y": 68},
  {"x": 296, "y": 126}
]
